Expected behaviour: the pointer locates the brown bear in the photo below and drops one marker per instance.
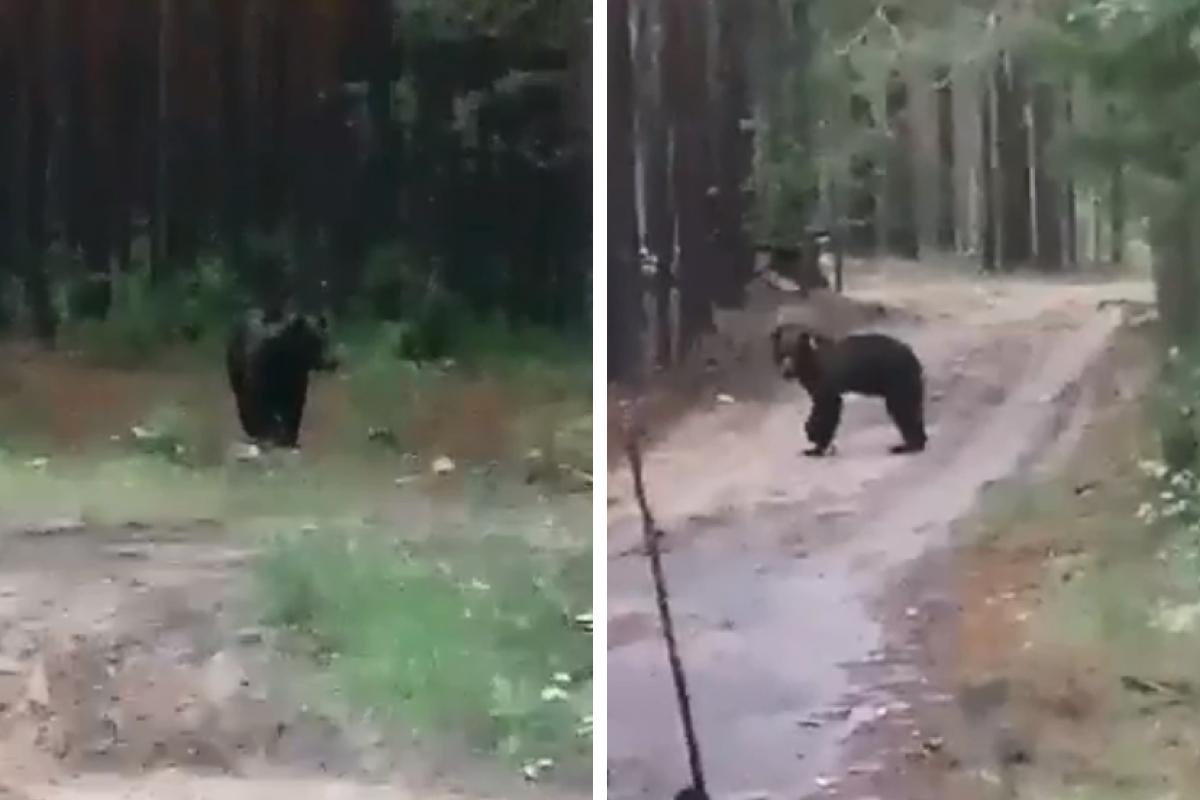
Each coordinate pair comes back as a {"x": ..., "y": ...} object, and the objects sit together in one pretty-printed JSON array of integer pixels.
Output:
[
  {"x": 872, "y": 364},
  {"x": 268, "y": 359}
]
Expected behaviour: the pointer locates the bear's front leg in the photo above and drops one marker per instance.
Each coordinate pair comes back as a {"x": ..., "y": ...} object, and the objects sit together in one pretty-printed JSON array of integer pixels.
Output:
[{"x": 823, "y": 422}]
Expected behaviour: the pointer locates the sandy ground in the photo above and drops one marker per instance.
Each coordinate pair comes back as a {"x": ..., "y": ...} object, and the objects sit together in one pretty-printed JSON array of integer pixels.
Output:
[
  {"x": 778, "y": 564},
  {"x": 130, "y": 668}
]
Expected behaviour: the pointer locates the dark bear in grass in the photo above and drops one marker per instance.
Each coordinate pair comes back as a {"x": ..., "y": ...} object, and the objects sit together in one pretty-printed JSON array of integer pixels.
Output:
[
  {"x": 869, "y": 364},
  {"x": 269, "y": 358}
]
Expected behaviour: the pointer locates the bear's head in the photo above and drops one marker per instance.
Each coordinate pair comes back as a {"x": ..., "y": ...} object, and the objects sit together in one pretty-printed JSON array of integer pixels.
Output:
[
  {"x": 306, "y": 338},
  {"x": 796, "y": 351}
]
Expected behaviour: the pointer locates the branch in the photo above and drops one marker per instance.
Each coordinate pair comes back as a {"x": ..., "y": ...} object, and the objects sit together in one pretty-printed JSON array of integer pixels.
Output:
[{"x": 651, "y": 534}]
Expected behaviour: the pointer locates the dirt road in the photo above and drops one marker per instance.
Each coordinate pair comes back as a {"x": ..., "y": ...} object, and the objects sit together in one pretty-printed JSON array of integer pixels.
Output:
[
  {"x": 131, "y": 669},
  {"x": 775, "y": 560}
]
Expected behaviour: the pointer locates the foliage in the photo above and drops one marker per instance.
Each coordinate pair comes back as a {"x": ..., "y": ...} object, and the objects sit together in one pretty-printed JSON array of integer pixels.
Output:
[
  {"x": 476, "y": 639},
  {"x": 536, "y": 20}
]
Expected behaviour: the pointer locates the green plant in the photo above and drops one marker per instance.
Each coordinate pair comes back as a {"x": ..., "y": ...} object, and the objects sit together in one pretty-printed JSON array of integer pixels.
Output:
[{"x": 474, "y": 636}]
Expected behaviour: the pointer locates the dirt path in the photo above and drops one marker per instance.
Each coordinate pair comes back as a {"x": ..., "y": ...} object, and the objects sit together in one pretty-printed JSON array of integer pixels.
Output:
[
  {"x": 775, "y": 559},
  {"x": 130, "y": 668}
]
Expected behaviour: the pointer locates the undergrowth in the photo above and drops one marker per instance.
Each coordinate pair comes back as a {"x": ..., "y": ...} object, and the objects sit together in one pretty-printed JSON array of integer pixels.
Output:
[{"x": 474, "y": 636}]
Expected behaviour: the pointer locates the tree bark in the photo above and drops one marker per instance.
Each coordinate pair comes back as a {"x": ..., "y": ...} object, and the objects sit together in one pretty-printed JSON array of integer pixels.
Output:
[
  {"x": 657, "y": 206},
  {"x": 899, "y": 184},
  {"x": 1116, "y": 210},
  {"x": 924, "y": 114},
  {"x": 966, "y": 99},
  {"x": 29, "y": 168},
  {"x": 624, "y": 314},
  {"x": 1016, "y": 242},
  {"x": 734, "y": 152},
  {"x": 946, "y": 162},
  {"x": 1048, "y": 192},
  {"x": 1069, "y": 210},
  {"x": 686, "y": 74},
  {"x": 988, "y": 189},
  {"x": 162, "y": 201}
]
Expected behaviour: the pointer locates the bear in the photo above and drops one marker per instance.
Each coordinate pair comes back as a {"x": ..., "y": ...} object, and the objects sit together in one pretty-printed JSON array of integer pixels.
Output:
[
  {"x": 871, "y": 364},
  {"x": 268, "y": 358}
]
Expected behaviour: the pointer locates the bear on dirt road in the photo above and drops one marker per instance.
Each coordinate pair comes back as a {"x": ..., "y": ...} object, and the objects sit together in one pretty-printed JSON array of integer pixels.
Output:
[
  {"x": 268, "y": 359},
  {"x": 870, "y": 364}
]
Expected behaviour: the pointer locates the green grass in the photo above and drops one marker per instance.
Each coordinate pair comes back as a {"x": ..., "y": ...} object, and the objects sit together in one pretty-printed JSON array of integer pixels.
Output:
[
  {"x": 474, "y": 636},
  {"x": 446, "y": 606}
]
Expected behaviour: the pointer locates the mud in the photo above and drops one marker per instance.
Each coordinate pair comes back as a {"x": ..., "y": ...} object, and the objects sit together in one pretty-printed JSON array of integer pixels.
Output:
[{"x": 779, "y": 564}]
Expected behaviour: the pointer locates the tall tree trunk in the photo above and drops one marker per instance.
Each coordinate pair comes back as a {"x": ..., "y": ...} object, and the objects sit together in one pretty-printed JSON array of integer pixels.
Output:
[
  {"x": 624, "y": 314},
  {"x": 686, "y": 59},
  {"x": 1177, "y": 285},
  {"x": 734, "y": 151},
  {"x": 1013, "y": 143},
  {"x": 1048, "y": 191},
  {"x": 657, "y": 207},
  {"x": 235, "y": 179},
  {"x": 899, "y": 184},
  {"x": 1116, "y": 210},
  {"x": 988, "y": 189},
  {"x": 946, "y": 161},
  {"x": 29, "y": 167},
  {"x": 1070, "y": 219},
  {"x": 924, "y": 115},
  {"x": 967, "y": 98},
  {"x": 162, "y": 194}
]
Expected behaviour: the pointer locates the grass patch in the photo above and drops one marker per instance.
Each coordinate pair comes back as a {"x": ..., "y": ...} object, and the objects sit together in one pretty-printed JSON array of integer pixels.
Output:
[
  {"x": 449, "y": 601},
  {"x": 474, "y": 636},
  {"x": 1093, "y": 579}
]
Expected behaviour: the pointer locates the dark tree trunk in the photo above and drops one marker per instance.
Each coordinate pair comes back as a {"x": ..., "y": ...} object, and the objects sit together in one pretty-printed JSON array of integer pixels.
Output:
[
  {"x": 1012, "y": 133},
  {"x": 236, "y": 194},
  {"x": 946, "y": 158},
  {"x": 1117, "y": 214},
  {"x": 1070, "y": 219},
  {"x": 624, "y": 310},
  {"x": 657, "y": 207},
  {"x": 687, "y": 82},
  {"x": 734, "y": 152},
  {"x": 900, "y": 221},
  {"x": 988, "y": 189},
  {"x": 28, "y": 173},
  {"x": 162, "y": 186},
  {"x": 1048, "y": 191}
]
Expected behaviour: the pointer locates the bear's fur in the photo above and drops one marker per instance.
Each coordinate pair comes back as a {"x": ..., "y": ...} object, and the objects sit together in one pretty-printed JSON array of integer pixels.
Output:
[
  {"x": 268, "y": 359},
  {"x": 870, "y": 364}
]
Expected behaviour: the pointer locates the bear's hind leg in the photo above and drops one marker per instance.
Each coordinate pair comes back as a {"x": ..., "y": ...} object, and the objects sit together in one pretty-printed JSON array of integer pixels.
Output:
[{"x": 906, "y": 412}]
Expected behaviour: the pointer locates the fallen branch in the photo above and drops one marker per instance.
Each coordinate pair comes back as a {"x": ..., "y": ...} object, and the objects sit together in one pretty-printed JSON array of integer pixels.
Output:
[{"x": 651, "y": 535}]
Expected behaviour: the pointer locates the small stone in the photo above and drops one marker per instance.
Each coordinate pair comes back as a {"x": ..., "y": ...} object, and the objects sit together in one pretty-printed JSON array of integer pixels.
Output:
[
  {"x": 55, "y": 526},
  {"x": 726, "y": 399},
  {"x": 130, "y": 552},
  {"x": 37, "y": 690},
  {"x": 248, "y": 636},
  {"x": 443, "y": 466}
]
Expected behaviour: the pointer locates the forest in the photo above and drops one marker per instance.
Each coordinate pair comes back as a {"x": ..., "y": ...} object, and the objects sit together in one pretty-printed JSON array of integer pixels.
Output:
[
  {"x": 1047, "y": 136},
  {"x": 295, "y": 316},
  {"x": 403, "y": 160},
  {"x": 1007, "y": 191}
]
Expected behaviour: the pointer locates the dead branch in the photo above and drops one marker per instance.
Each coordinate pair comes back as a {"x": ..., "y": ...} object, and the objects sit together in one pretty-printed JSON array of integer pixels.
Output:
[{"x": 651, "y": 535}]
